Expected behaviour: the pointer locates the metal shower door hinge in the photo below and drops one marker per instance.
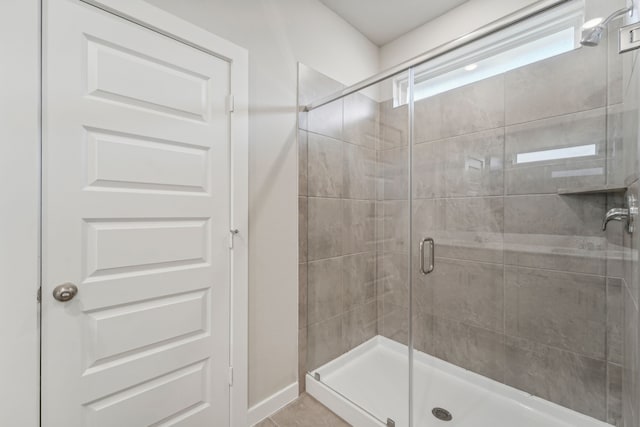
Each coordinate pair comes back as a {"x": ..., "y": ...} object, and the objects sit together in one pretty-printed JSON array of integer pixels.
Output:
[
  {"x": 391, "y": 423},
  {"x": 629, "y": 38}
]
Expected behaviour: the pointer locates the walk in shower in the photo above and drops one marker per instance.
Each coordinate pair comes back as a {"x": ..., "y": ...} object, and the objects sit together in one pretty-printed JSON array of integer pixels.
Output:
[{"x": 454, "y": 270}]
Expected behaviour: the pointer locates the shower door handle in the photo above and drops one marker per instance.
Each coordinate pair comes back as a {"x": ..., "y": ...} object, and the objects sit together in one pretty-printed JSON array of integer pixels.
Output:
[{"x": 432, "y": 256}]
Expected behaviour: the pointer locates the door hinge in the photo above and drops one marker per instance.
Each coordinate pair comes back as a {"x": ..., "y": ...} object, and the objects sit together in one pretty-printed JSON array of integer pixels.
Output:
[
  {"x": 231, "y": 103},
  {"x": 230, "y": 375},
  {"x": 39, "y": 294}
]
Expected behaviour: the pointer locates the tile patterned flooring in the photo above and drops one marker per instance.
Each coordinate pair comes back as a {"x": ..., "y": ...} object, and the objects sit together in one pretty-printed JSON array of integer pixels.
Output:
[{"x": 305, "y": 411}]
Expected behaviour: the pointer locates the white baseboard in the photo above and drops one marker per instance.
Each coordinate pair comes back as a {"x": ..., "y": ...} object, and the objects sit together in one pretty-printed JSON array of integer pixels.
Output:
[{"x": 273, "y": 404}]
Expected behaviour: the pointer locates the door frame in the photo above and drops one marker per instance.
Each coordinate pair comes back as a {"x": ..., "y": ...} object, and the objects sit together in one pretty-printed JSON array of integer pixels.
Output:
[
  {"x": 20, "y": 211},
  {"x": 156, "y": 19}
]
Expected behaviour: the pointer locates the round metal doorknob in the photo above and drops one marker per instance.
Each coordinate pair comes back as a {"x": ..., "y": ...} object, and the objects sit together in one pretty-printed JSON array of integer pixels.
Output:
[{"x": 65, "y": 292}]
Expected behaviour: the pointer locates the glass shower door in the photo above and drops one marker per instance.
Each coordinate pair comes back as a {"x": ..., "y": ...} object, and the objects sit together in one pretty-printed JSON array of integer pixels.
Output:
[
  {"x": 458, "y": 224},
  {"x": 354, "y": 204},
  {"x": 516, "y": 156}
]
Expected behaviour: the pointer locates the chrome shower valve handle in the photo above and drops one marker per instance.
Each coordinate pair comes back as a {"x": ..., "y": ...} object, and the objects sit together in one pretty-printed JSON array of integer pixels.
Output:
[{"x": 628, "y": 213}]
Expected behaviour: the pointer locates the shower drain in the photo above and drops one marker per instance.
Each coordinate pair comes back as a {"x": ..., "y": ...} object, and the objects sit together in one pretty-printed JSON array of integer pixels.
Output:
[{"x": 442, "y": 414}]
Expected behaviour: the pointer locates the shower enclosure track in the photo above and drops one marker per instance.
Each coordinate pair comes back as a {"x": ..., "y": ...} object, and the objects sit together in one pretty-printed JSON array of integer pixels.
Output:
[{"x": 491, "y": 28}]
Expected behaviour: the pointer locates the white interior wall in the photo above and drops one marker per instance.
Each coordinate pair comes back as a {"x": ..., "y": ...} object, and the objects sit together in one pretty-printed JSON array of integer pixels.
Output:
[
  {"x": 19, "y": 222},
  {"x": 277, "y": 34},
  {"x": 465, "y": 18}
]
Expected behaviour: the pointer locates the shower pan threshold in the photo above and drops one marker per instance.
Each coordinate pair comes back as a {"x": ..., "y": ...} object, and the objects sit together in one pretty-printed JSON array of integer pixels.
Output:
[{"x": 369, "y": 385}]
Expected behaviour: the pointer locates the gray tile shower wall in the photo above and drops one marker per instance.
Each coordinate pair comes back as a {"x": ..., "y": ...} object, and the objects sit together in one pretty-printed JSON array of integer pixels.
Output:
[
  {"x": 337, "y": 151},
  {"x": 628, "y": 379},
  {"x": 527, "y": 288}
]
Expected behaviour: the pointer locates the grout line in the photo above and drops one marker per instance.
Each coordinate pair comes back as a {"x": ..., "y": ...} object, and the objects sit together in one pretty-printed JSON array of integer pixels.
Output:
[
  {"x": 506, "y": 126},
  {"x": 339, "y": 198},
  {"x": 564, "y": 350},
  {"x": 487, "y": 196},
  {"x": 504, "y": 215},
  {"x": 508, "y": 335}
]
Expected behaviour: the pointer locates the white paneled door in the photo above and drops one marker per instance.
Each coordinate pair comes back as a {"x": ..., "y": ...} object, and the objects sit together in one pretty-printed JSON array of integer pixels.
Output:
[{"x": 136, "y": 216}]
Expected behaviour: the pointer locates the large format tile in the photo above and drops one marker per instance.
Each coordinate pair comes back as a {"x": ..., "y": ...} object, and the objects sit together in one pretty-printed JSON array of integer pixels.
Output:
[
  {"x": 360, "y": 120},
  {"x": 478, "y": 350},
  {"x": 326, "y": 166},
  {"x": 472, "y": 108},
  {"x": 324, "y": 292},
  {"x": 614, "y": 395},
  {"x": 615, "y": 235},
  {"x": 379, "y": 227},
  {"x": 616, "y": 153},
  {"x": 325, "y": 228},
  {"x": 469, "y": 292},
  {"x": 631, "y": 246},
  {"x": 302, "y": 359},
  {"x": 394, "y": 323},
  {"x": 394, "y": 125},
  {"x": 615, "y": 320},
  {"x": 359, "y": 226},
  {"x": 424, "y": 339},
  {"x": 469, "y": 165},
  {"x": 564, "y": 310},
  {"x": 359, "y": 172},
  {"x": 614, "y": 59},
  {"x": 394, "y": 169},
  {"x": 303, "y": 162},
  {"x": 423, "y": 289},
  {"x": 565, "y": 378},
  {"x": 307, "y": 412},
  {"x": 393, "y": 296},
  {"x": 324, "y": 342},
  {"x": 303, "y": 214},
  {"x": 302, "y": 295},
  {"x": 555, "y": 232},
  {"x": 463, "y": 228},
  {"x": 631, "y": 362},
  {"x": 392, "y": 278},
  {"x": 359, "y": 325},
  {"x": 395, "y": 226},
  {"x": 631, "y": 118},
  {"x": 537, "y": 156},
  {"x": 580, "y": 254},
  {"x": 266, "y": 423},
  {"x": 358, "y": 280},
  {"x": 567, "y": 83}
]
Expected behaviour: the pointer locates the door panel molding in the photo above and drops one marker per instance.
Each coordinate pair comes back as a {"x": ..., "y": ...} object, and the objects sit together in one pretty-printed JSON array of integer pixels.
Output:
[{"x": 189, "y": 177}]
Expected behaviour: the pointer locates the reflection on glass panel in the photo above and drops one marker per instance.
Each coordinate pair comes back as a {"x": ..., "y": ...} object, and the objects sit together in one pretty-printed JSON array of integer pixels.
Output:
[
  {"x": 356, "y": 247},
  {"x": 557, "y": 154}
]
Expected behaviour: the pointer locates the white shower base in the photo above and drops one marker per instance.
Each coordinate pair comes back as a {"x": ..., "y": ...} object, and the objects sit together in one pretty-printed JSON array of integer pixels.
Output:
[{"x": 370, "y": 384}]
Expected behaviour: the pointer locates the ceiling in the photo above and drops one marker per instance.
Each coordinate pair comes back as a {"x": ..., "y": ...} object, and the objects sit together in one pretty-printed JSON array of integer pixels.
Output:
[{"x": 382, "y": 21}]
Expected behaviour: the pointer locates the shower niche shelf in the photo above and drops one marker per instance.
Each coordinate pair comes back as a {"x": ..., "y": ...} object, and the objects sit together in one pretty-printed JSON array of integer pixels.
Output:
[{"x": 600, "y": 189}]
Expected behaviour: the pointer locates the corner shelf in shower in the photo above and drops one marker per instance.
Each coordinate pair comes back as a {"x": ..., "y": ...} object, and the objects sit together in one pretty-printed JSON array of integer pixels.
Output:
[{"x": 600, "y": 189}]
